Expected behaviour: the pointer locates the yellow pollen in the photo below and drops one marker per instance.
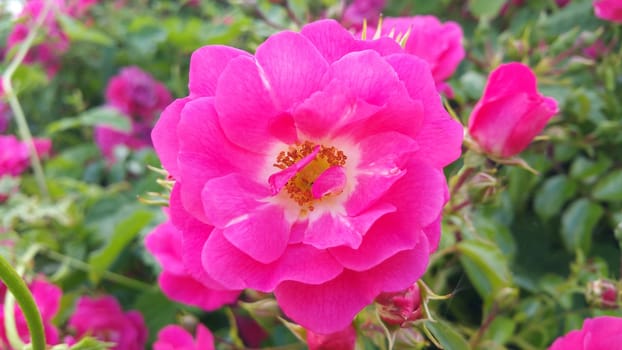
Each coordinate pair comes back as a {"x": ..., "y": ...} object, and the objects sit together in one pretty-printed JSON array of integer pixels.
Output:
[{"x": 299, "y": 186}]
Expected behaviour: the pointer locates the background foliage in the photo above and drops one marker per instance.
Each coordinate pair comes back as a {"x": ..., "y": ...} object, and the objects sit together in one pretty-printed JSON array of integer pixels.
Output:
[{"x": 518, "y": 249}]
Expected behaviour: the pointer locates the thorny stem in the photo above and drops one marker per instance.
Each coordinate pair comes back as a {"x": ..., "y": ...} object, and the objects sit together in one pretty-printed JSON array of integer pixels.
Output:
[
  {"x": 480, "y": 332},
  {"x": 18, "y": 291},
  {"x": 22, "y": 125}
]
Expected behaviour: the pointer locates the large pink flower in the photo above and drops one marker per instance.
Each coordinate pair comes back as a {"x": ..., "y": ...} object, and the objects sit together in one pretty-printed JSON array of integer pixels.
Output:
[
  {"x": 312, "y": 169},
  {"x": 56, "y": 43},
  {"x": 599, "y": 333},
  {"x": 511, "y": 112},
  {"x": 439, "y": 44},
  {"x": 610, "y": 10},
  {"x": 104, "y": 319},
  {"x": 47, "y": 297},
  {"x": 174, "y": 337},
  {"x": 165, "y": 242},
  {"x": 14, "y": 156}
]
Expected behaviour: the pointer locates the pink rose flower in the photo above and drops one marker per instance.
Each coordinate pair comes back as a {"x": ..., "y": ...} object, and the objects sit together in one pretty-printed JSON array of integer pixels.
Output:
[
  {"x": 400, "y": 308},
  {"x": 511, "y": 112},
  {"x": 439, "y": 44},
  {"x": 312, "y": 169},
  {"x": 362, "y": 10},
  {"x": 165, "y": 243},
  {"x": 342, "y": 340},
  {"x": 137, "y": 94},
  {"x": 47, "y": 297},
  {"x": 174, "y": 337},
  {"x": 104, "y": 319},
  {"x": 599, "y": 333},
  {"x": 48, "y": 53},
  {"x": 14, "y": 156},
  {"x": 610, "y": 10},
  {"x": 5, "y": 112}
]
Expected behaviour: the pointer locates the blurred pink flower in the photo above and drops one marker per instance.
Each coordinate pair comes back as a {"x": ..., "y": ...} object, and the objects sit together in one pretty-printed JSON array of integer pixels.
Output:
[
  {"x": 165, "y": 243},
  {"x": 610, "y": 10},
  {"x": 104, "y": 319},
  {"x": 511, "y": 112},
  {"x": 312, "y": 169},
  {"x": 14, "y": 157},
  {"x": 47, "y": 297},
  {"x": 439, "y": 44},
  {"x": 175, "y": 337},
  {"x": 342, "y": 340},
  {"x": 56, "y": 42},
  {"x": 562, "y": 3},
  {"x": 362, "y": 10},
  {"x": 400, "y": 308},
  {"x": 138, "y": 95},
  {"x": 5, "y": 112},
  {"x": 78, "y": 8},
  {"x": 599, "y": 333}
]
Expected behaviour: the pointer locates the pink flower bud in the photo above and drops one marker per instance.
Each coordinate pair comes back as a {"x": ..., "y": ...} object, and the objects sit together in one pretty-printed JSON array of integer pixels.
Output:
[
  {"x": 342, "y": 340},
  {"x": 603, "y": 293},
  {"x": 511, "y": 112},
  {"x": 610, "y": 10},
  {"x": 400, "y": 308}
]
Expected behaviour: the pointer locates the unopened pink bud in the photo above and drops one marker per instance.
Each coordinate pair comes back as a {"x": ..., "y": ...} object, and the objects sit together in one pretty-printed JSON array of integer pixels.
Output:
[{"x": 400, "y": 308}]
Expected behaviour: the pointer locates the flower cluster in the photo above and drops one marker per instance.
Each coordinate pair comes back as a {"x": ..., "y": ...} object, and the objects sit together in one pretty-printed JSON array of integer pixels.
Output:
[{"x": 312, "y": 169}]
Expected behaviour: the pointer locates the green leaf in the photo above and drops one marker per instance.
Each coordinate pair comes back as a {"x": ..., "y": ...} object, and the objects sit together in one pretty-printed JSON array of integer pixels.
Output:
[
  {"x": 501, "y": 330},
  {"x": 77, "y": 31},
  {"x": 156, "y": 317},
  {"x": 609, "y": 188},
  {"x": 486, "y": 266},
  {"x": 578, "y": 222},
  {"x": 485, "y": 8},
  {"x": 123, "y": 234},
  {"x": 448, "y": 338},
  {"x": 585, "y": 169},
  {"x": 552, "y": 196},
  {"x": 107, "y": 116}
]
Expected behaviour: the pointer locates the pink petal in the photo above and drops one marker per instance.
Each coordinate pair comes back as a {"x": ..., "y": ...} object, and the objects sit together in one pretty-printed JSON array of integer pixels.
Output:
[
  {"x": 278, "y": 180},
  {"x": 164, "y": 242},
  {"x": 330, "y": 38},
  {"x": 292, "y": 66},
  {"x": 331, "y": 109},
  {"x": 374, "y": 81},
  {"x": 440, "y": 138},
  {"x": 246, "y": 109},
  {"x": 187, "y": 290},
  {"x": 194, "y": 236},
  {"x": 258, "y": 229},
  {"x": 419, "y": 197},
  {"x": 263, "y": 234},
  {"x": 331, "y": 306},
  {"x": 333, "y": 230},
  {"x": 232, "y": 198},
  {"x": 205, "y": 339},
  {"x": 206, "y": 65},
  {"x": 331, "y": 181},
  {"x": 173, "y": 337},
  {"x": 166, "y": 142},
  {"x": 236, "y": 270}
]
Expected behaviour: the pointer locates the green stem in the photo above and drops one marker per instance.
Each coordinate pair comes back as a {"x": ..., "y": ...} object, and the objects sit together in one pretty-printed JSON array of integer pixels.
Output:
[
  {"x": 22, "y": 125},
  {"x": 18, "y": 289},
  {"x": 111, "y": 276}
]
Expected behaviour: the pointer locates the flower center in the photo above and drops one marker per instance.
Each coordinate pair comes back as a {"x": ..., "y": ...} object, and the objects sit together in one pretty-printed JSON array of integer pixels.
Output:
[{"x": 300, "y": 187}]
